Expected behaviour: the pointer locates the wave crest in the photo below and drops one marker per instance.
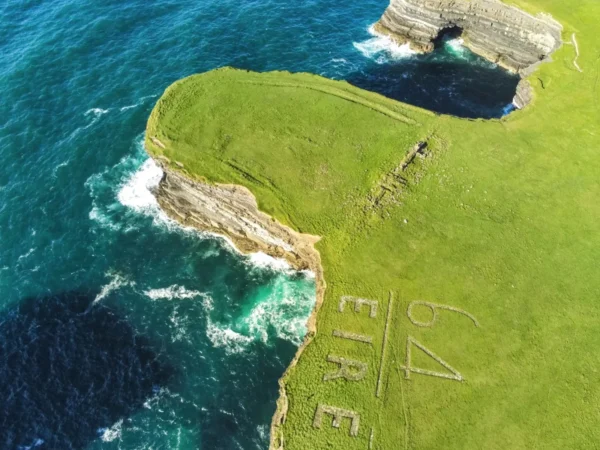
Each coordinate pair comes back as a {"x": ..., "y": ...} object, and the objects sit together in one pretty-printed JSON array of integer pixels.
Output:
[
  {"x": 172, "y": 292},
  {"x": 278, "y": 310},
  {"x": 382, "y": 49}
]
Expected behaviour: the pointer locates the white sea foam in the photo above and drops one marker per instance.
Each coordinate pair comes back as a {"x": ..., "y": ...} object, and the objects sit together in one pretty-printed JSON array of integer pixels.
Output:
[
  {"x": 159, "y": 394},
  {"x": 62, "y": 164},
  {"x": 180, "y": 324},
  {"x": 26, "y": 255},
  {"x": 281, "y": 308},
  {"x": 139, "y": 103},
  {"x": 112, "y": 433},
  {"x": 36, "y": 443},
  {"x": 263, "y": 432},
  {"x": 382, "y": 49},
  {"x": 173, "y": 292},
  {"x": 97, "y": 112},
  {"x": 225, "y": 337},
  {"x": 102, "y": 219},
  {"x": 137, "y": 192},
  {"x": 125, "y": 108},
  {"x": 285, "y": 310},
  {"x": 117, "y": 281},
  {"x": 128, "y": 184},
  {"x": 97, "y": 185},
  {"x": 456, "y": 46},
  {"x": 263, "y": 260},
  {"x": 208, "y": 302},
  {"x": 308, "y": 274}
]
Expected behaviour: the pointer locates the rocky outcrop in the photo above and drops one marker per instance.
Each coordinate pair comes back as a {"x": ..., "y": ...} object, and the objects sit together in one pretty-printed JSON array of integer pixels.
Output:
[
  {"x": 524, "y": 94},
  {"x": 500, "y": 33},
  {"x": 232, "y": 211}
]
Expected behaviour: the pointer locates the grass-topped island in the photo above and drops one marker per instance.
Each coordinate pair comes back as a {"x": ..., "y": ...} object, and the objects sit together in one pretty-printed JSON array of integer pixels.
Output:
[{"x": 456, "y": 260}]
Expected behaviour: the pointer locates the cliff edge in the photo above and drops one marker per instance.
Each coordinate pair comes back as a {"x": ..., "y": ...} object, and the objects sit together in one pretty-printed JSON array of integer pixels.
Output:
[
  {"x": 500, "y": 33},
  {"x": 232, "y": 211}
]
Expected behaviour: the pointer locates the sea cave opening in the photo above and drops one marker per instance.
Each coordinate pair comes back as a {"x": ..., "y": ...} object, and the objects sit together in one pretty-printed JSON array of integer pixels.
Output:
[{"x": 449, "y": 33}]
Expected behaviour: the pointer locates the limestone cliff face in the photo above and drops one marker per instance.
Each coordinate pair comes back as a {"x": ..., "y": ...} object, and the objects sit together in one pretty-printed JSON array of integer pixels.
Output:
[
  {"x": 523, "y": 95},
  {"x": 232, "y": 211},
  {"x": 500, "y": 33}
]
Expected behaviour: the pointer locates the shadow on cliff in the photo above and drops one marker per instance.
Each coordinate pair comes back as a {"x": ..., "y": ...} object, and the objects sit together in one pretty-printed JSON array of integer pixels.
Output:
[{"x": 68, "y": 369}]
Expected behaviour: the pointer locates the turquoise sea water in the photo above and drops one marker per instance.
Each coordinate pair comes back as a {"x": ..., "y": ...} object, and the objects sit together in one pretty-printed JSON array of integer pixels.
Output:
[{"x": 119, "y": 329}]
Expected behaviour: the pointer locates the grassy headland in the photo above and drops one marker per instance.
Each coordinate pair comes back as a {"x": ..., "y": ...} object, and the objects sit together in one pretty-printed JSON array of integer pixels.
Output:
[{"x": 498, "y": 219}]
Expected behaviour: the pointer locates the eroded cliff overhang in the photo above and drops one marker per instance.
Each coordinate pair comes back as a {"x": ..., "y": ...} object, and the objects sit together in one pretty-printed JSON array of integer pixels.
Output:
[{"x": 500, "y": 33}]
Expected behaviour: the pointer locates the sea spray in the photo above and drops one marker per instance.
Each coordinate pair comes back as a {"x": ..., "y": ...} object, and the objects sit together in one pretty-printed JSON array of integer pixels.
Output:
[
  {"x": 278, "y": 310},
  {"x": 382, "y": 49},
  {"x": 140, "y": 177},
  {"x": 112, "y": 433},
  {"x": 456, "y": 47},
  {"x": 172, "y": 293},
  {"x": 136, "y": 193}
]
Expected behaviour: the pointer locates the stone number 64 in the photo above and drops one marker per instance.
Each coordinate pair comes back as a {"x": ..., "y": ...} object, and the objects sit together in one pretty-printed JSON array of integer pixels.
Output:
[{"x": 452, "y": 373}]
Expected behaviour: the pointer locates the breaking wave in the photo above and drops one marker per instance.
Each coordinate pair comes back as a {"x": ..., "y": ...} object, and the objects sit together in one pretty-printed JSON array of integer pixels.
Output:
[
  {"x": 278, "y": 310},
  {"x": 96, "y": 112},
  {"x": 456, "y": 47},
  {"x": 172, "y": 292},
  {"x": 382, "y": 49},
  {"x": 112, "y": 433},
  {"x": 224, "y": 337},
  {"x": 130, "y": 186},
  {"x": 136, "y": 193},
  {"x": 117, "y": 281},
  {"x": 260, "y": 259}
]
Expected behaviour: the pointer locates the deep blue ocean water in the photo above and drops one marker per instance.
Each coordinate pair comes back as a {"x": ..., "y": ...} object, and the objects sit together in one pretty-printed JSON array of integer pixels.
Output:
[{"x": 119, "y": 329}]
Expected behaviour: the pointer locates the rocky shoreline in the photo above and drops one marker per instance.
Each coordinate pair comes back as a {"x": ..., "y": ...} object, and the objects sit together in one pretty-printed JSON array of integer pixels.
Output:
[
  {"x": 503, "y": 34},
  {"x": 232, "y": 211}
]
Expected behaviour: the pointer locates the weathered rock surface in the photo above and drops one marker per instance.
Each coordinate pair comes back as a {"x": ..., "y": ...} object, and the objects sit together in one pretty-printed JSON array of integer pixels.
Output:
[
  {"x": 232, "y": 211},
  {"x": 524, "y": 94},
  {"x": 500, "y": 33}
]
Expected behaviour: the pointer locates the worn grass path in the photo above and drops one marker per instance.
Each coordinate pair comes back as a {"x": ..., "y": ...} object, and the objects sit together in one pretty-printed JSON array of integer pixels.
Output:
[{"x": 488, "y": 241}]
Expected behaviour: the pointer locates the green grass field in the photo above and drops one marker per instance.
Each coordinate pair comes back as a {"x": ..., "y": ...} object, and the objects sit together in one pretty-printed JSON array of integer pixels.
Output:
[{"x": 495, "y": 222}]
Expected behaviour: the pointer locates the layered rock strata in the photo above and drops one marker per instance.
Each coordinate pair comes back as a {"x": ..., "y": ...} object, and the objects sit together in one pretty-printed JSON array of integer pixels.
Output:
[
  {"x": 232, "y": 211},
  {"x": 500, "y": 33},
  {"x": 524, "y": 94}
]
